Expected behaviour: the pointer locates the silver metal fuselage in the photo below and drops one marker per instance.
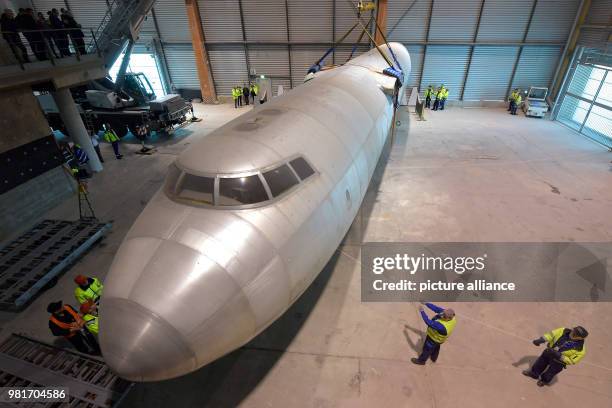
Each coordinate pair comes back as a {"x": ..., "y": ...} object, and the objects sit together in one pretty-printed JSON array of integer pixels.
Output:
[{"x": 191, "y": 283}]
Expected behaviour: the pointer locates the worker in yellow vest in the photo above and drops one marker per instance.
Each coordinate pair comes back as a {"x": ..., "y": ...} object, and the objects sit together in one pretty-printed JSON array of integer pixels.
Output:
[
  {"x": 235, "y": 97},
  {"x": 428, "y": 95},
  {"x": 111, "y": 137},
  {"x": 88, "y": 289},
  {"x": 89, "y": 314},
  {"x": 444, "y": 98},
  {"x": 516, "y": 103},
  {"x": 564, "y": 347},
  {"x": 439, "y": 328},
  {"x": 239, "y": 92},
  {"x": 512, "y": 98}
]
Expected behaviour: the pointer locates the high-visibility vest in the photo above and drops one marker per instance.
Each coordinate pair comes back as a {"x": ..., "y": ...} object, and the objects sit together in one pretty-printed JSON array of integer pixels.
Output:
[
  {"x": 437, "y": 336},
  {"x": 66, "y": 326},
  {"x": 518, "y": 99},
  {"x": 91, "y": 294},
  {"x": 428, "y": 93},
  {"x": 91, "y": 323},
  {"x": 256, "y": 87},
  {"x": 445, "y": 94},
  {"x": 110, "y": 136},
  {"x": 570, "y": 356}
]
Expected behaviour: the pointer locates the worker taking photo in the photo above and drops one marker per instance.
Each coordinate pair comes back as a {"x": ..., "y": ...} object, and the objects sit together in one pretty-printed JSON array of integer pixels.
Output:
[{"x": 439, "y": 328}]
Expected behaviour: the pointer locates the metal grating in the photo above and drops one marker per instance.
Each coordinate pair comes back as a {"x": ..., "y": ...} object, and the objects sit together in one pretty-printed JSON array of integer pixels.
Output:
[
  {"x": 31, "y": 261},
  {"x": 25, "y": 362}
]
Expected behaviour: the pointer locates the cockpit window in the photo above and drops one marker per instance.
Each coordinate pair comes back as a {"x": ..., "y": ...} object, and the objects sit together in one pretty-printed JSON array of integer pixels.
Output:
[
  {"x": 280, "y": 179},
  {"x": 302, "y": 168},
  {"x": 241, "y": 190},
  {"x": 196, "y": 188}
]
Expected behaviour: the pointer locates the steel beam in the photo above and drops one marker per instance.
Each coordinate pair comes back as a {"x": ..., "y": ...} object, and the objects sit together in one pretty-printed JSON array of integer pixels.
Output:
[
  {"x": 381, "y": 22},
  {"x": 469, "y": 65},
  {"x": 207, "y": 87},
  {"x": 288, "y": 43},
  {"x": 329, "y": 44},
  {"x": 431, "y": 7},
  {"x": 244, "y": 39},
  {"x": 518, "y": 57},
  {"x": 161, "y": 55}
]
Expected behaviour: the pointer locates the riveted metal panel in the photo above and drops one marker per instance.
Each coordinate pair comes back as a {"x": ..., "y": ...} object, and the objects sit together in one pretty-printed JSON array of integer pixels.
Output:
[
  {"x": 172, "y": 20},
  {"x": 264, "y": 20},
  {"x": 552, "y": 20},
  {"x": 413, "y": 26},
  {"x": 271, "y": 60},
  {"x": 182, "y": 66},
  {"x": 490, "y": 73},
  {"x": 536, "y": 66},
  {"x": 445, "y": 64},
  {"x": 454, "y": 20},
  {"x": 229, "y": 68},
  {"x": 504, "y": 20},
  {"x": 311, "y": 21},
  {"x": 221, "y": 20}
]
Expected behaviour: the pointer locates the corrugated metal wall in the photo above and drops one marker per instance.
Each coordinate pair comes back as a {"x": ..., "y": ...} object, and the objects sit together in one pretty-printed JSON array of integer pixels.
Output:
[
  {"x": 438, "y": 33},
  {"x": 599, "y": 14}
]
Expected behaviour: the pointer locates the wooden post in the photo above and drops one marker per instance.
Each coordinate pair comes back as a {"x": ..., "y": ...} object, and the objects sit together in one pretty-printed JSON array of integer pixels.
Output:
[
  {"x": 381, "y": 20},
  {"x": 207, "y": 86}
]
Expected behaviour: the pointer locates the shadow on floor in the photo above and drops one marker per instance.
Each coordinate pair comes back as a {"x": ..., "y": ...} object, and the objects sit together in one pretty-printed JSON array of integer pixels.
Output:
[{"x": 417, "y": 346}]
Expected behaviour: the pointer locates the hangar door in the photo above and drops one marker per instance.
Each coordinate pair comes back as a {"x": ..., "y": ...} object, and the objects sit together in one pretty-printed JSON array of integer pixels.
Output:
[{"x": 586, "y": 101}]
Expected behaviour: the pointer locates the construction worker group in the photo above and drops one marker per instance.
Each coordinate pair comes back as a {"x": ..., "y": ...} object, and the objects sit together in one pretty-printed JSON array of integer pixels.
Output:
[
  {"x": 79, "y": 328},
  {"x": 439, "y": 96},
  {"x": 241, "y": 94},
  {"x": 564, "y": 346}
]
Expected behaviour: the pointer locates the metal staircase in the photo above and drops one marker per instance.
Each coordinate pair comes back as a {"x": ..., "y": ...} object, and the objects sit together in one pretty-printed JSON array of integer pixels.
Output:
[{"x": 122, "y": 23}]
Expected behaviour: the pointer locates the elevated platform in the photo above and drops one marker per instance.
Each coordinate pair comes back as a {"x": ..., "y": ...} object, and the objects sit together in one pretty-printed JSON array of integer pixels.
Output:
[{"x": 61, "y": 73}]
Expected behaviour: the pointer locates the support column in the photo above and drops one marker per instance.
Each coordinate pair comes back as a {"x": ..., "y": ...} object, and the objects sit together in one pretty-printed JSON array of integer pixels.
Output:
[
  {"x": 207, "y": 86},
  {"x": 381, "y": 21},
  {"x": 74, "y": 124}
]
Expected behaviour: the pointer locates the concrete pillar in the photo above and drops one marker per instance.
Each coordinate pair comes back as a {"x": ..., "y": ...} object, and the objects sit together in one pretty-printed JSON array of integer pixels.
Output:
[
  {"x": 74, "y": 124},
  {"x": 381, "y": 21},
  {"x": 207, "y": 87}
]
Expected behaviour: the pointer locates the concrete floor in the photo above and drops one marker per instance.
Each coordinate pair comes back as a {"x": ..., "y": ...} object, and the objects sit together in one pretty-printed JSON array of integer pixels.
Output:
[{"x": 463, "y": 175}]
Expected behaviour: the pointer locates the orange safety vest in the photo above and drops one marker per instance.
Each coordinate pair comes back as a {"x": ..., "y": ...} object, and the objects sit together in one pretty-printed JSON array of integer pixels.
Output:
[{"x": 63, "y": 325}]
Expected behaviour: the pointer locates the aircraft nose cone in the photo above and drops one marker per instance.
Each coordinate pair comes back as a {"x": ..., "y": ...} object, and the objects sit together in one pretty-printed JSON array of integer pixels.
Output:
[{"x": 139, "y": 345}]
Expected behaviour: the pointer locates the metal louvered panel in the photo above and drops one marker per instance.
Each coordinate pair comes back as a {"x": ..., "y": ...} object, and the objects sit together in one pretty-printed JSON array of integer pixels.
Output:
[
  {"x": 265, "y": 20},
  {"x": 182, "y": 66},
  {"x": 411, "y": 28},
  {"x": 536, "y": 66},
  {"x": 552, "y": 20},
  {"x": 344, "y": 52},
  {"x": 454, "y": 20},
  {"x": 445, "y": 64},
  {"x": 311, "y": 21},
  {"x": 594, "y": 38},
  {"x": 229, "y": 67},
  {"x": 490, "y": 73},
  {"x": 172, "y": 20},
  {"x": 88, "y": 14},
  {"x": 302, "y": 57},
  {"x": 42, "y": 6},
  {"x": 280, "y": 81},
  {"x": 221, "y": 20},
  {"x": 345, "y": 18},
  {"x": 270, "y": 60},
  {"x": 504, "y": 20},
  {"x": 416, "y": 60},
  {"x": 600, "y": 12},
  {"x": 146, "y": 35}
]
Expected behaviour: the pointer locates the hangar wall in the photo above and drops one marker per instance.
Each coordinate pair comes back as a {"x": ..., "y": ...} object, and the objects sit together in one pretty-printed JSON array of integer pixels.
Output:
[{"x": 478, "y": 48}]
